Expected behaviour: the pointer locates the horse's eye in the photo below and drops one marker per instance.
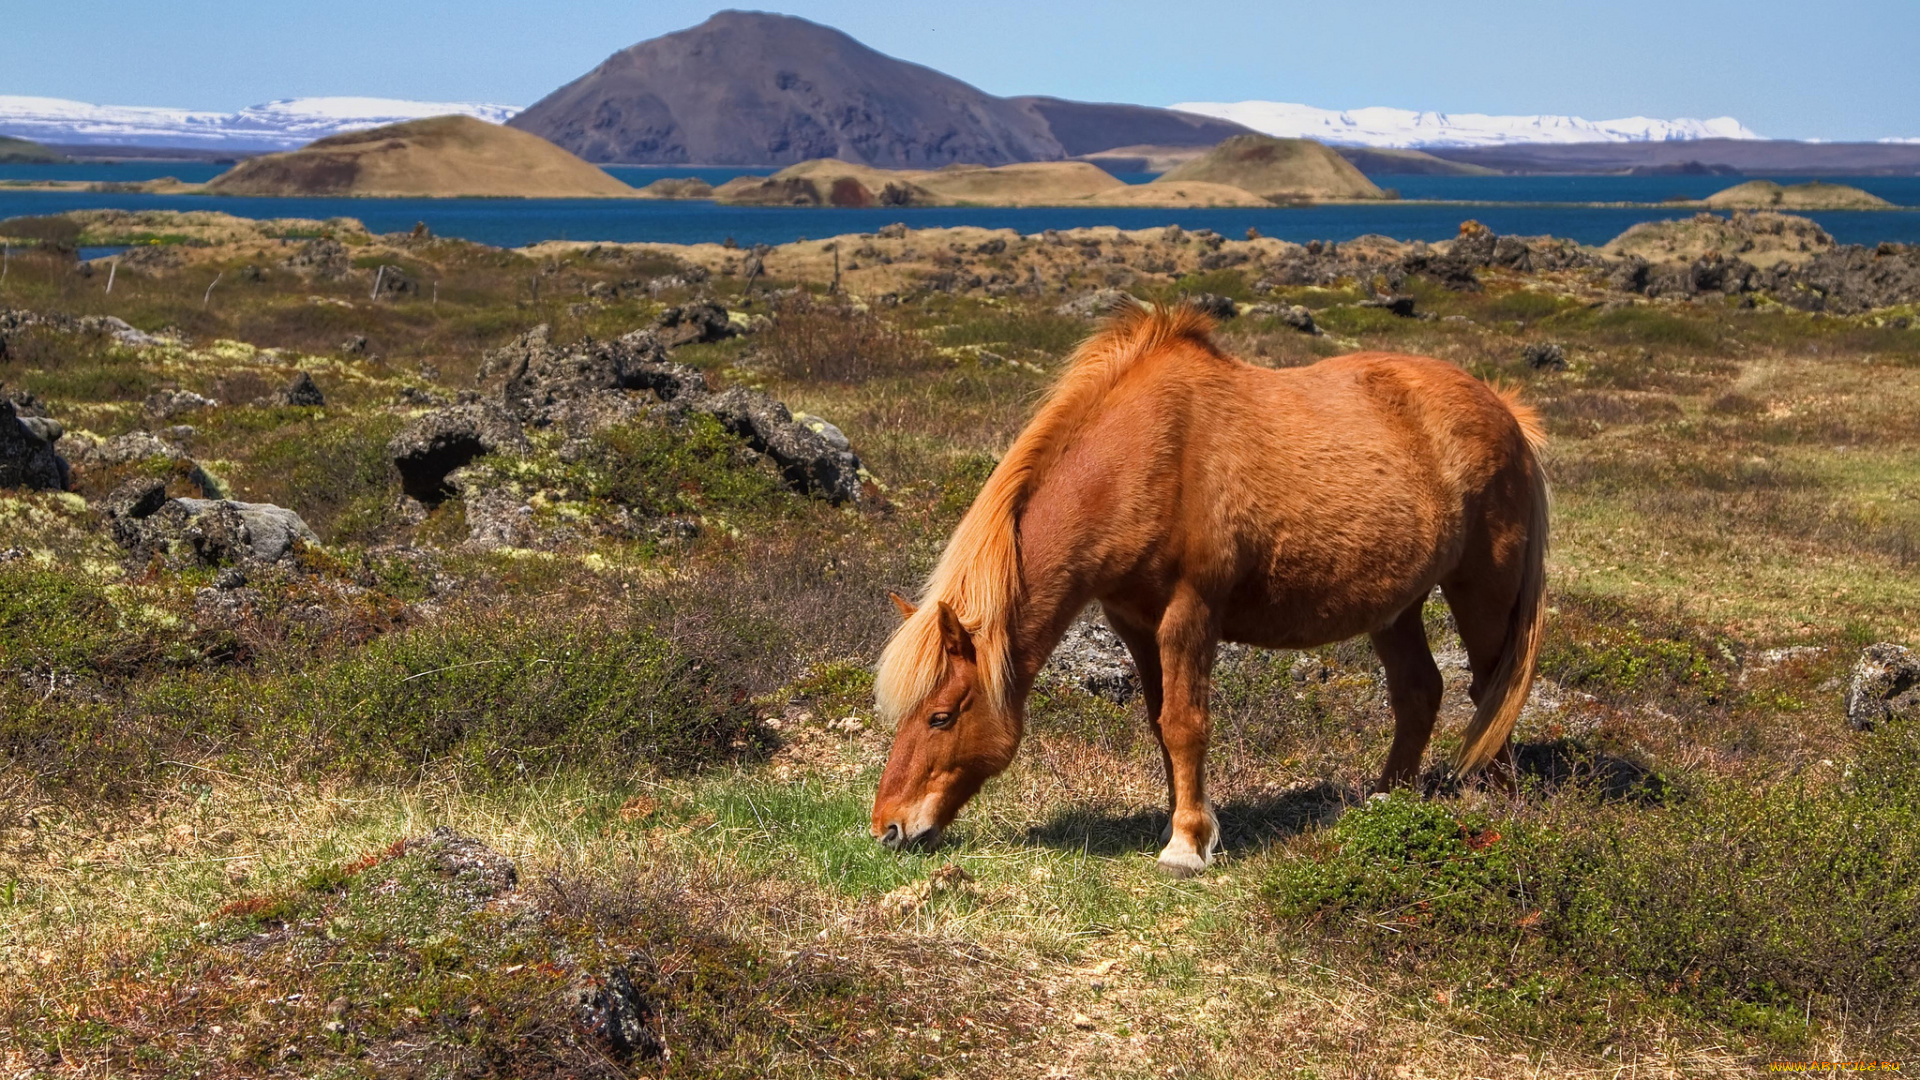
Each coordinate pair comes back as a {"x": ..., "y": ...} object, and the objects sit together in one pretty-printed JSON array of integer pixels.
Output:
[{"x": 940, "y": 720}]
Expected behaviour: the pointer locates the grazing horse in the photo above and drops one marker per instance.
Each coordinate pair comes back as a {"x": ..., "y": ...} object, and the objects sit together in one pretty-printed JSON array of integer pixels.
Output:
[{"x": 1200, "y": 499}]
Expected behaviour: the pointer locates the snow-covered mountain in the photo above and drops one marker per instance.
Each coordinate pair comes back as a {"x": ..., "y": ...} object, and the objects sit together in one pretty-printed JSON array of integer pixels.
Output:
[
  {"x": 1386, "y": 127},
  {"x": 277, "y": 125}
]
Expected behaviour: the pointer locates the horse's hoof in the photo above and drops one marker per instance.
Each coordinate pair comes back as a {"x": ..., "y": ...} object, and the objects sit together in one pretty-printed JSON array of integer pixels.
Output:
[{"x": 1182, "y": 864}]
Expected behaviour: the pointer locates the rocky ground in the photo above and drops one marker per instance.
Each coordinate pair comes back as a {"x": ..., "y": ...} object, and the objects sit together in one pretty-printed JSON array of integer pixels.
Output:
[{"x": 421, "y": 658}]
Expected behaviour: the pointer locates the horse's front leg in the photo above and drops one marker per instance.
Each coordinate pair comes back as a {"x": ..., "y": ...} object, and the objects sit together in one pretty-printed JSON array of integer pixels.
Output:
[{"x": 1187, "y": 639}]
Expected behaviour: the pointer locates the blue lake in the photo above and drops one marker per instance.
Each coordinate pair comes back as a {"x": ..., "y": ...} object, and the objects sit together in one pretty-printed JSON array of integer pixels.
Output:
[{"x": 1532, "y": 205}]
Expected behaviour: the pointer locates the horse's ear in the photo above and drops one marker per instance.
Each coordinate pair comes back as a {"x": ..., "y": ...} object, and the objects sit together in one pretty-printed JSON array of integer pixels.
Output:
[
  {"x": 954, "y": 635},
  {"x": 906, "y": 606}
]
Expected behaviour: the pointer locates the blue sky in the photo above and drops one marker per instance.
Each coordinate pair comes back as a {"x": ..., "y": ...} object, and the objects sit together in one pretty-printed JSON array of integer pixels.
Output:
[{"x": 1843, "y": 69}]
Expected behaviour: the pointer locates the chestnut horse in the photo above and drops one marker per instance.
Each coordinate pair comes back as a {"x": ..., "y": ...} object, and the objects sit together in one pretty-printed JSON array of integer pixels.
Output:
[{"x": 1200, "y": 499}]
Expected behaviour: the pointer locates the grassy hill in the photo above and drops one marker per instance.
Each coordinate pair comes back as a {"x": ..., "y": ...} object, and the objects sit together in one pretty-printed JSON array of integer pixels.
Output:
[
  {"x": 1278, "y": 170},
  {"x": 26, "y": 152},
  {"x": 440, "y": 157}
]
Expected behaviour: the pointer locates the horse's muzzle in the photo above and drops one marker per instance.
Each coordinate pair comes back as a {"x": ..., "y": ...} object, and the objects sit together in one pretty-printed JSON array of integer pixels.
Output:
[{"x": 897, "y": 839}]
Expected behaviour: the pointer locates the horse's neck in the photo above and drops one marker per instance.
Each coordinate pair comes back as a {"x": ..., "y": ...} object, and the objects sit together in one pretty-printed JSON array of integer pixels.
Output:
[{"x": 1054, "y": 589}]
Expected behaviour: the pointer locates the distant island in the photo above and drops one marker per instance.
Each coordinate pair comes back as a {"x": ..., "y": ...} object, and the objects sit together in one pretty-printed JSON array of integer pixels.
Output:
[
  {"x": 440, "y": 157},
  {"x": 1767, "y": 195}
]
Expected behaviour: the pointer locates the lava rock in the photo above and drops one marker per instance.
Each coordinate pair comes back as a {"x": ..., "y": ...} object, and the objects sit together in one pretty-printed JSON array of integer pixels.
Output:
[
  {"x": 809, "y": 463},
  {"x": 140, "y": 497},
  {"x": 324, "y": 258},
  {"x": 203, "y": 532},
  {"x": 834, "y": 436},
  {"x": 436, "y": 444},
  {"x": 694, "y": 324},
  {"x": 1215, "y": 306},
  {"x": 167, "y": 404},
  {"x": 613, "y": 1012},
  {"x": 1294, "y": 315},
  {"x": 480, "y": 871},
  {"x": 1886, "y": 684},
  {"x": 302, "y": 391},
  {"x": 1092, "y": 657},
  {"x": 27, "y": 455},
  {"x": 539, "y": 374},
  {"x": 1094, "y": 305},
  {"x": 1398, "y": 305},
  {"x": 1544, "y": 356}
]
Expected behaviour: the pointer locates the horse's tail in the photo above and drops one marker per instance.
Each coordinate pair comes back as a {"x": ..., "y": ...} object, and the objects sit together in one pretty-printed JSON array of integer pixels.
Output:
[{"x": 1506, "y": 691}]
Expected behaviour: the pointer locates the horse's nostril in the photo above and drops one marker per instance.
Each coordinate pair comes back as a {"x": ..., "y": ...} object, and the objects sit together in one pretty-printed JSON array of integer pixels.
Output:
[{"x": 892, "y": 838}]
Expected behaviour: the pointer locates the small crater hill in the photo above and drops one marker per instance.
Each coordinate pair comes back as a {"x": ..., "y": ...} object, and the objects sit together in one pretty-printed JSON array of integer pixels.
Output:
[
  {"x": 1767, "y": 195},
  {"x": 1279, "y": 170},
  {"x": 26, "y": 152},
  {"x": 751, "y": 88},
  {"x": 440, "y": 157}
]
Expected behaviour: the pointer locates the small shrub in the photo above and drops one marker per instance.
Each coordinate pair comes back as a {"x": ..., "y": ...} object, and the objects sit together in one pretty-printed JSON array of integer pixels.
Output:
[{"x": 827, "y": 342}]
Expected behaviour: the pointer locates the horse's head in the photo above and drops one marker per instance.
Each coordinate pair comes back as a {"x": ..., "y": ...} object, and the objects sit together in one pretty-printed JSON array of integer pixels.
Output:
[{"x": 952, "y": 736}]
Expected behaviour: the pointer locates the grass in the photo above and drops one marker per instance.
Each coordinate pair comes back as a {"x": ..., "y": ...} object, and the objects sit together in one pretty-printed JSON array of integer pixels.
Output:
[{"x": 202, "y": 819}]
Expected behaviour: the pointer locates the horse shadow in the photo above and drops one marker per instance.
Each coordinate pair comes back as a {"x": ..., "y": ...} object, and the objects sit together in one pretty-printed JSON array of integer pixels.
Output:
[{"x": 1247, "y": 823}]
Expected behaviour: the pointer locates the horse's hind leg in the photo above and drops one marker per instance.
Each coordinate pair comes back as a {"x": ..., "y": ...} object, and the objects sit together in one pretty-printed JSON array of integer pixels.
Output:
[
  {"x": 1414, "y": 686},
  {"x": 1482, "y": 595}
]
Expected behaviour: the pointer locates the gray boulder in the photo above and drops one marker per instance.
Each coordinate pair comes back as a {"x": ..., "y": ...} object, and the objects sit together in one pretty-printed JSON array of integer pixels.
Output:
[
  {"x": 441, "y": 441},
  {"x": 201, "y": 532},
  {"x": 27, "y": 456},
  {"x": 1886, "y": 684}
]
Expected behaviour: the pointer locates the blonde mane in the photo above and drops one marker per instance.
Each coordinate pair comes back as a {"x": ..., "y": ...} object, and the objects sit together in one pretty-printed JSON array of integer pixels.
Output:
[{"x": 978, "y": 575}]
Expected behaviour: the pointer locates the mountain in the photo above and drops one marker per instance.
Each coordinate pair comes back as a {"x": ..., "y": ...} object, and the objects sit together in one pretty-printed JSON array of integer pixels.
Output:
[
  {"x": 749, "y": 88},
  {"x": 1407, "y": 128},
  {"x": 441, "y": 157},
  {"x": 1761, "y": 157},
  {"x": 1281, "y": 170},
  {"x": 277, "y": 125},
  {"x": 1088, "y": 128}
]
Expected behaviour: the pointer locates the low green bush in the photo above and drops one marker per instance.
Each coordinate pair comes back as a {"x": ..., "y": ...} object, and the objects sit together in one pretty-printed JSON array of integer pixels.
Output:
[{"x": 1772, "y": 912}]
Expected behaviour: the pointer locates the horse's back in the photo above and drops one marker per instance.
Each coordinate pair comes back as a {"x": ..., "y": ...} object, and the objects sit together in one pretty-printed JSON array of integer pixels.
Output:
[{"x": 1334, "y": 492}]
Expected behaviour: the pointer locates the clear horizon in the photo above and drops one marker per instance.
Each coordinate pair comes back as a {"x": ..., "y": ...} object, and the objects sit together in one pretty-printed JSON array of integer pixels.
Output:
[{"x": 1503, "y": 58}]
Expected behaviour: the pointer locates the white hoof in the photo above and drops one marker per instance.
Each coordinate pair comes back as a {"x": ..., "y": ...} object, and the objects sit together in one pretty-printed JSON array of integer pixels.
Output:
[{"x": 1184, "y": 863}]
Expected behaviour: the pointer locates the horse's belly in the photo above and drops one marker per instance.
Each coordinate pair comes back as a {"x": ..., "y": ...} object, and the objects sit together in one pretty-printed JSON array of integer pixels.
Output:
[{"x": 1330, "y": 584}]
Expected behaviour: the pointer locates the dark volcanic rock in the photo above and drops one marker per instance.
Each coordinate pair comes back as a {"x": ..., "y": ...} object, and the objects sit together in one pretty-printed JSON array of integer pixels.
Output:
[
  {"x": 1544, "y": 356},
  {"x": 540, "y": 375},
  {"x": 302, "y": 391},
  {"x": 1218, "y": 307},
  {"x": 809, "y": 462},
  {"x": 749, "y": 88},
  {"x": 613, "y": 1012},
  {"x": 27, "y": 457},
  {"x": 434, "y": 445},
  {"x": 694, "y": 324}
]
